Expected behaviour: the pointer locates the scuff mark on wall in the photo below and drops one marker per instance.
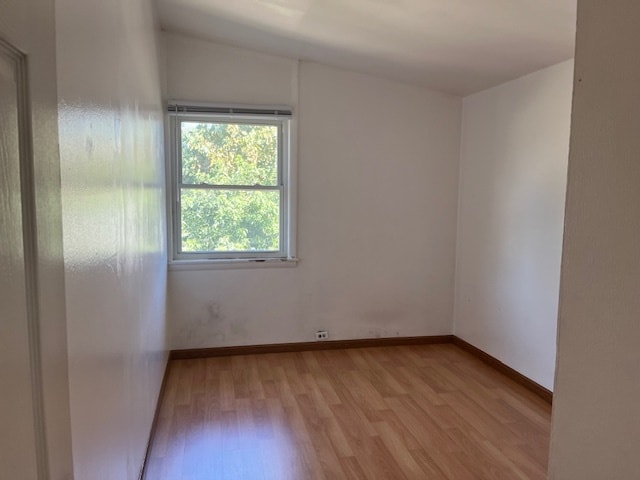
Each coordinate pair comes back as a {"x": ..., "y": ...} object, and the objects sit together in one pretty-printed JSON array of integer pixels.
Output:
[{"x": 212, "y": 323}]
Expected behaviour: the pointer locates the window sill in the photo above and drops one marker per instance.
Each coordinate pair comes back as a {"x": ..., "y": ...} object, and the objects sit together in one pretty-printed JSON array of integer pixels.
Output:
[{"x": 232, "y": 264}]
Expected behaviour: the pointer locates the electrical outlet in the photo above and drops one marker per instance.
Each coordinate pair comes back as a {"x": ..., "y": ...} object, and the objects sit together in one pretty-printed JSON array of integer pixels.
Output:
[{"x": 322, "y": 335}]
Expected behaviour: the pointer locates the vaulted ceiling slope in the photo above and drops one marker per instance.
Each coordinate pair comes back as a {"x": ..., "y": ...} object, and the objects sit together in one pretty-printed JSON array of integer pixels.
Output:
[{"x": 455, "y": 46}]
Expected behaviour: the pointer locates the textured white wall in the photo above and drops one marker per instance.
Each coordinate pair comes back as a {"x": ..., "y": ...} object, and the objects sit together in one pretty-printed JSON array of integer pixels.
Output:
[
  {"x": 114, "y": 229},
  {"x": 596, "y": 417},
  {"x": 378, "y": 175},
  {"x": 514, "y": 154}
]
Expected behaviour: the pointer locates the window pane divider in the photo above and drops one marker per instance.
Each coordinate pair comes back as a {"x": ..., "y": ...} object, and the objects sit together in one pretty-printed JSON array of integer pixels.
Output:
[{"x": 208, "y": 186}]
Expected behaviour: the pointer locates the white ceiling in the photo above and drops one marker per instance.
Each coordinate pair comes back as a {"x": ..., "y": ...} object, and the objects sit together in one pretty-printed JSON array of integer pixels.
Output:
[{"x": 456, "y": 46}]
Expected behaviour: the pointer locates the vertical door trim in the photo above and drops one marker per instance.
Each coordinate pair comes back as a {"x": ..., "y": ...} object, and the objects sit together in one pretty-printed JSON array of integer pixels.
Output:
[{"x": 29, "y": 235}]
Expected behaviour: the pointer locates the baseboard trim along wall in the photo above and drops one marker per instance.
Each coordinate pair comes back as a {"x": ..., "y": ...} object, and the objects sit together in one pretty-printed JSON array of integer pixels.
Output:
[
  {"x": 517, "y": 377},
  {"x": 307, "y": 346},
  {"x": 154, "y": 423}
]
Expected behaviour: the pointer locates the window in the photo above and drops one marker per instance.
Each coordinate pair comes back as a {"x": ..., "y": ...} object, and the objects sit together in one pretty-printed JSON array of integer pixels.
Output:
[{"x": 231, "y": 190}]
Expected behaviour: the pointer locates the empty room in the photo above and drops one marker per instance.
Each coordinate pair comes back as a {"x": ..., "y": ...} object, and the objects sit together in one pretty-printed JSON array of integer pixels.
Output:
[{"x": 307, "y": 239}]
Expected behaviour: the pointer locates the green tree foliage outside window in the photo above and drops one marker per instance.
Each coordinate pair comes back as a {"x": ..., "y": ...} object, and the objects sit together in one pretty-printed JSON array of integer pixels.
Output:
[{"x": 217, "y": 215}]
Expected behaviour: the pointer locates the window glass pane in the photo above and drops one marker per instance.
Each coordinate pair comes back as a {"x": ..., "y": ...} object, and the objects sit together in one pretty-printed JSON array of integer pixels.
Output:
[
  {"x": 230, "y": 220},
  {"x": 229, "y": 153}
]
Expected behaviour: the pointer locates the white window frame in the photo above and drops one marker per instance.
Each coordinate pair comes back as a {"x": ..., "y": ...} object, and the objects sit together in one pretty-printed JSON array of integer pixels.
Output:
[{"x": 281, "y": 117}]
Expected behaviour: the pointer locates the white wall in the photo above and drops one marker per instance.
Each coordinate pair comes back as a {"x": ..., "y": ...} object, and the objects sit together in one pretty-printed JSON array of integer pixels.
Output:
[
  {"x": 207, "y": 72},
  {"x": 377, "y": 202},
  {"x": 114, "y": 230},
  {"x": 596, "y": 417},
  {"x": 514, "y": 155}
]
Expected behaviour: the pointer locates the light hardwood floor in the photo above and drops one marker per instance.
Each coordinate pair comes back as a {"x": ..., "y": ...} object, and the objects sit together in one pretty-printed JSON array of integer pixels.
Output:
[{"x": 409, "y": 412}]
